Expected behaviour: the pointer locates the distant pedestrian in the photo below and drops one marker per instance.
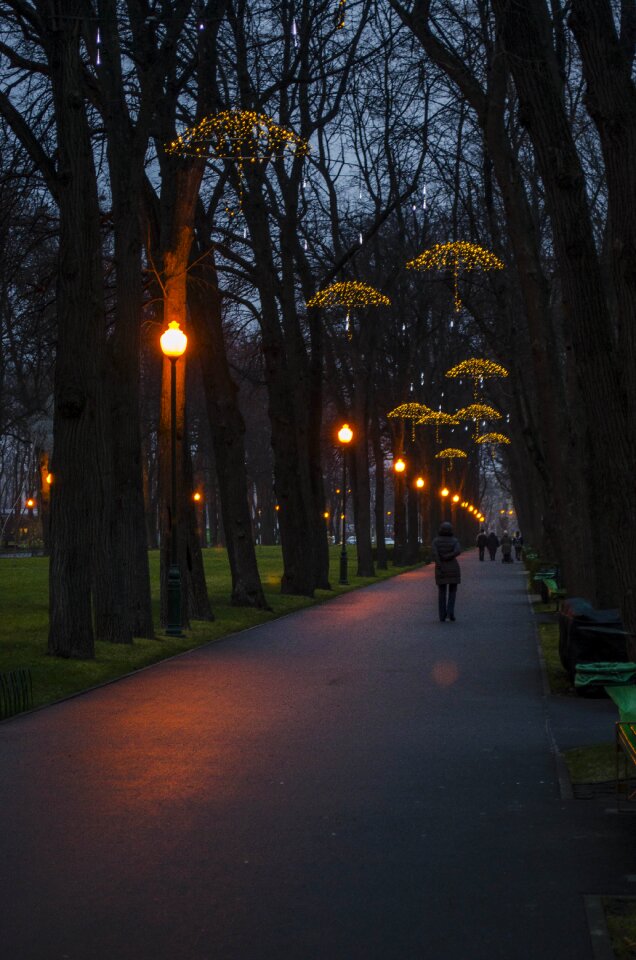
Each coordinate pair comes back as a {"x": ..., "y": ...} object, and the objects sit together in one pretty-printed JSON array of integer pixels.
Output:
[
  {"x": 446, "y": 549},
  {"x": 492, "y": 544},
  {"x": 482, "y": 540},
  {"x": 517, "y": 542},
  {"x": 506, "y": 547}
]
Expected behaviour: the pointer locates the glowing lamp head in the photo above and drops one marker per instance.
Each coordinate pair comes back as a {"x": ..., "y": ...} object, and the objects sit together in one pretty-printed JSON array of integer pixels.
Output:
[
  {"x": 444, "y": 491},
  {"x": 30, "y": 503},
  {"x": 419, "y": 483},
  {"x": 471, "y": 509},
  {"x": 345, "y": 433},
  {"x": 399, "y": 466},
  {"x": 49, "y": 478},
  {"x": 456, "y": 498},
  {"x": 173, "y": 341},
  {"x": 326, "y": 514},
  {"x": 196, "y": 497}
]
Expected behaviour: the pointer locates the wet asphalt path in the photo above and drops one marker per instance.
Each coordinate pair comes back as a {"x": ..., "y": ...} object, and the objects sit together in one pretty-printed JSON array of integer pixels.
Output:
[{"x": 353, "y": 782}]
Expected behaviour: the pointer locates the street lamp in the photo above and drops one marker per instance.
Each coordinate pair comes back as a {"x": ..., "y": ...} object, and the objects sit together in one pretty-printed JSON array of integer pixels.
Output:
[
  {"x": 345, "y": 436},
  {"x": 173, "y": 343}
]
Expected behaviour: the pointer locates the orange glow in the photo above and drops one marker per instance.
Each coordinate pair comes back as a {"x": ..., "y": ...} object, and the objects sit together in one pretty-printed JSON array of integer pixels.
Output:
[
  {"x": 173, "y": 341},
  {"x": 471, "y": 509},
  {"x": 456, "y": 498},
  {"x": 196, "y": 496},
  {"x": 277, "y": 508},
  {"x": 30, "y": 503},
  {"x": 445, "y": 492},
  {"x": 399, "y": 466},
  {"x": 445, "y": 673},
  {"x": 388, "y": 513},
  {"x": 502, "y": 511},
  {"x": 49, "y": 478},
  {"x": 345, "y": 434},
  {"x": 510, "y": 513},
  {"x": 326, "y": 514},
  {"x": 419, "y": 483}
]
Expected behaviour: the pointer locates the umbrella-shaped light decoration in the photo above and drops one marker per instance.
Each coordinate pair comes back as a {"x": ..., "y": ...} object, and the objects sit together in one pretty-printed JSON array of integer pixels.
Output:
[
  {"x": 451, "y": 454},
  {"x": 243, "y": 136},
  {"x": 440, "y": 419},
  {"x": 349, "y": 294},
  {"x": 477, "y": 412},
  {"x": 494, "y": 439},
  {"x": 456, "y": 255},
  {"x": 410, "y": 411},
  {"x": 478, "y": 370}
]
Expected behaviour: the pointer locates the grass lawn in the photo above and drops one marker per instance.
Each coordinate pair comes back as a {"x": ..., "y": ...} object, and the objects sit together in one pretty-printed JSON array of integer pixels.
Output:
[
  {"x": 587, "y": 764},
  {"x": 24, "y": 624},
  {"x": 549, "y": 641},
  {"x": 620, "y": 915}
]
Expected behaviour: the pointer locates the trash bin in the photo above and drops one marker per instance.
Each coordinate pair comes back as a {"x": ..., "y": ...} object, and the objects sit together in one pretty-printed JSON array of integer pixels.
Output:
[{"x": 587, "y": 635}]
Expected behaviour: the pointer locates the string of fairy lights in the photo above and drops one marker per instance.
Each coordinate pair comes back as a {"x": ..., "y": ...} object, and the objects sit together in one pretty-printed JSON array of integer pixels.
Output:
[{"x": 476, "y": 369}]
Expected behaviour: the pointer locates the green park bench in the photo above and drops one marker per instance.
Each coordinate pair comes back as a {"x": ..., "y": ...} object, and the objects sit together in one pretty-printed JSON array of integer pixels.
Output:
[
  {"x": 546, "y": 579},
  {"x": 619, "y": 682}
]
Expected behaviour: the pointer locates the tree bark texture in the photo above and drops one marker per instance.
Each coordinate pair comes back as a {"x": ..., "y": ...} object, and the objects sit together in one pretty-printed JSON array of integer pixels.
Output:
[
  {"x": 525, "y": 31},
  {"x": 78, "y": 413},
  {"x": 228, "y": 431}
]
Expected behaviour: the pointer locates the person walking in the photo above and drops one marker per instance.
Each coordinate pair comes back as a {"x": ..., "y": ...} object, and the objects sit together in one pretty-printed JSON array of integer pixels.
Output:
[
  {"x": 446, "y": 549},
  {"x": 482, "y": 540},
  {"x": 506, "y": 547},
  {"x": 492, "y": 543},
  {"x": 517, "y": 542}
]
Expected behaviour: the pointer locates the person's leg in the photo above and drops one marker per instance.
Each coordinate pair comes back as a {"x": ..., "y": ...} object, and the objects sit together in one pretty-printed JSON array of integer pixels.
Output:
[
  {"x": 481, "y": 553},
  {"x": 452, "y": 593},
  {"x": 441, "y": 588}
]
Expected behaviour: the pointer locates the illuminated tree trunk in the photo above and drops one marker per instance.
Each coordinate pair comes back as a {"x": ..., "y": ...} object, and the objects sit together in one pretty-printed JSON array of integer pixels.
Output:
[{"x": 180, "y": 186}]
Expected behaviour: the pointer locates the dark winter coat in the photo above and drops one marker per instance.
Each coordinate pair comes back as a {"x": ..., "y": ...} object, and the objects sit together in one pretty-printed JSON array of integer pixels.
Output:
[
  {"x": 493, "y": 541},
  {"x": 506, "y": 545},
  {"x": 482, "y": 540},
  {"x": 446, "y": 549}
]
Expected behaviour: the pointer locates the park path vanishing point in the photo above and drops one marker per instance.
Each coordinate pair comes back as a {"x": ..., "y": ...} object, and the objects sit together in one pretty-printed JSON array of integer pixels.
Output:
[{"x": 356, "y": 781}]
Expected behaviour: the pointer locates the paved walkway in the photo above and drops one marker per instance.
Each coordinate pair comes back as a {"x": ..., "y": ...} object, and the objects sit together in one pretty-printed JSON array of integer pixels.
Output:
[{"x": 353, "y": 782}]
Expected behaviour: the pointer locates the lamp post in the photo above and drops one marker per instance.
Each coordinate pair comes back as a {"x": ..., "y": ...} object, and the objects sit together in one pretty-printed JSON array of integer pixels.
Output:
[
  {"x": 173, "y": 344},
  {"x": 419, "y": 484},
  {"x": 345, "y": 436}
]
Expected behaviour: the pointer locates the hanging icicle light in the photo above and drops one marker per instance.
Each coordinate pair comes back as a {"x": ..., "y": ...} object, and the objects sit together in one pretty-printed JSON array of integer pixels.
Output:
[
  {"x": 424, "y": 198},
  {"x": 294, "y": 32},
  {"x": 98, "y": 42}
]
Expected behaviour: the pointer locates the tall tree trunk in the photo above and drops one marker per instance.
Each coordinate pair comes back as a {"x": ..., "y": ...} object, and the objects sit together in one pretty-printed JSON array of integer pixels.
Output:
[
  {"x": 380, "y": 505},
  {"x": 78, "y": 405},
  {"x": 525, "y": 29},
  {"x": 611, "y": 101},
  {"x": 228, "y": 432}
]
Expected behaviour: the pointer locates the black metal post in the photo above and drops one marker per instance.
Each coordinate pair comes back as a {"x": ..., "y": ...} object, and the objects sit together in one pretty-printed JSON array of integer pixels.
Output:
[
  {"x": 343, "y": 555},
  {"x": 173, "y": 628}
]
